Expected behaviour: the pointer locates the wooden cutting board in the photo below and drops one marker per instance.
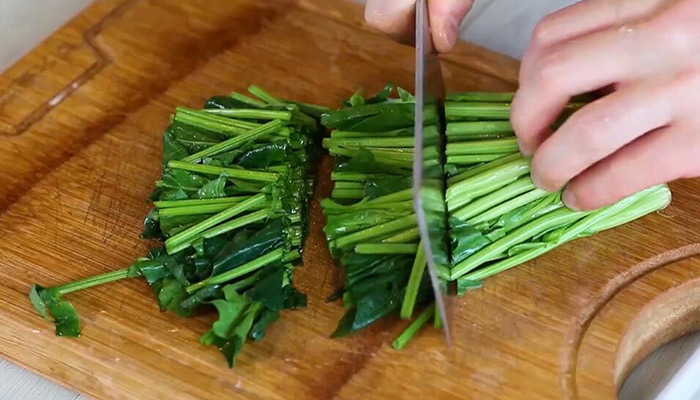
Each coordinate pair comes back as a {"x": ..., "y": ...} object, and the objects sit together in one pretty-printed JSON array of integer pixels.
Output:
[{"x": 81, "y": 119}]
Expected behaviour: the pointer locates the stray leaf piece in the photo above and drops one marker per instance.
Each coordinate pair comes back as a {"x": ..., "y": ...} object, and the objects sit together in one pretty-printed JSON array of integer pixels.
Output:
[{"x": 64, "y": 315}]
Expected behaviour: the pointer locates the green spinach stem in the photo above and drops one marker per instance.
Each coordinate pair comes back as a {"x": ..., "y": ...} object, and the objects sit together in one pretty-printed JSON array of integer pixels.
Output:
[
  {"x": 273, "y": 256},
  {"x": 236, "y": 141},
  {"x": 408, "y": 334},
  {"x": 417, "y": 272},
  {"x": 229, "y": 172},
  {"x": 191, "y": 233},
  {"x": 91, "y": 281}
]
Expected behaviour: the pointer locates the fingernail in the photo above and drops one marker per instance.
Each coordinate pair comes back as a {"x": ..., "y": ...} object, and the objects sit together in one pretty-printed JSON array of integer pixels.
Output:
[
  {"x": 570, "y": 200},
  {"x": 447, "y": 34},
  {"x": 536, "y": 180},
  {"x": 523, "y": 150}
]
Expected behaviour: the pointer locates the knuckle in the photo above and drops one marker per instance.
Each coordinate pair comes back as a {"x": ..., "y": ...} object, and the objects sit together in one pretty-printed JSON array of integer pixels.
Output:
[
  {"x": 529, "y": 58},
  {"x": 676, "y": 26},
  {"x": 586, "y": 127},
  {"x": 686, "y": 164},
  {"x": 684, "y": 85},
  {"x": 542, "y": 33},
  {"x": 549, "y": 73},
  {"x": 693, "y": 78}
]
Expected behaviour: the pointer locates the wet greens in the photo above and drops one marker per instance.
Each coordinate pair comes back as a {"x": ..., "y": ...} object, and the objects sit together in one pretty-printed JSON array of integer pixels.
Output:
[
  {"x": 371, "y": 227},
  {"x": 497, "y": 218},
  {"x": 230, "y": 211}
]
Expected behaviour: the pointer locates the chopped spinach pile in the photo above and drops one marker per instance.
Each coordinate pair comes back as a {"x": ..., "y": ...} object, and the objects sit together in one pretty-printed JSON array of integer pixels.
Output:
[{"x": 230, "y": 213}]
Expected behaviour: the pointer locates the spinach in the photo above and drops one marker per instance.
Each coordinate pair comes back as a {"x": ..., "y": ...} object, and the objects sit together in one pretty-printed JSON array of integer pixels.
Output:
[
  {"x": 236, "y": 253},
  {"x": 214, "y": 188},
  {"x": 172, "y": 149},
  {"x": 230, "y": 213},
  {"x": 267, "y": 318},
  {"x": 466, "y": 240},
  {"x": 64, "y": 315},
  {"x": 497, "y": 218},
  {"x": 378, "y": 186},
  {"x": 342, "y": 224},
  {"x": 269, "y": 289},
  {"x": 366, "y": 163},
  {"x": 151, "y": 226},
  {"x": 179, "y": 179},
  {"x": 224, "y": 102},
  {"x": 264, "y": 156},
  {"x": 371, "y": 206}
]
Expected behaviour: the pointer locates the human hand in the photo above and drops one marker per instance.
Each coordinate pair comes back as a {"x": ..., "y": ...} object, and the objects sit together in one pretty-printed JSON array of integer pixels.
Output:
[
  {"x": 396, "y": 18},
  {"x": 646, "y": 132}
]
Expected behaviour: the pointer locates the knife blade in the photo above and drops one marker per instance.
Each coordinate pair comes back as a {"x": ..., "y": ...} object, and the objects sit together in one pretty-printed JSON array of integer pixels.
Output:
[{"x": 428, "y": 184}]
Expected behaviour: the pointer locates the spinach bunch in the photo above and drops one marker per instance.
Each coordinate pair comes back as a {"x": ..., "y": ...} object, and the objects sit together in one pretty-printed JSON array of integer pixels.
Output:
[{"x": 498, "y": 218}]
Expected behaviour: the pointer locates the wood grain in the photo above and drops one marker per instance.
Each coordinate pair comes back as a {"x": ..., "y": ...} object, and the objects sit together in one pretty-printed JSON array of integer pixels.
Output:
[{"x": 81, "y": 120}]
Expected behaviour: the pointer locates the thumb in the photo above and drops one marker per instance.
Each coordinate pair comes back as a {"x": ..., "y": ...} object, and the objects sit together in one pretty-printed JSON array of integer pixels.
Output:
[{"x": 445, "y": 18}]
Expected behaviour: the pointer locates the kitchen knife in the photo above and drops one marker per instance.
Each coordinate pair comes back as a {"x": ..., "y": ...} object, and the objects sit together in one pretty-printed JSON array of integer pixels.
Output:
[{"x": 428, "y": 183}]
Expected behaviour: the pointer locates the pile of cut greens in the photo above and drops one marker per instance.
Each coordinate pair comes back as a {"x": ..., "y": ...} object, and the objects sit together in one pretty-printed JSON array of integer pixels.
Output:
[
  {"x": 230, "y": 213},
  {"x": 498, "y": 219}
]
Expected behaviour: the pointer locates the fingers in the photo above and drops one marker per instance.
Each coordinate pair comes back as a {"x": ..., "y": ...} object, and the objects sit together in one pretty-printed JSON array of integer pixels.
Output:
[
  {"x": 587, "y": 17},
  {"x": 661, "y": 156},
  {"x": 397, "y": 19},
  {"x": 445, "y": 19},
  {"x": 643, "y": 133},
  {"x": 574, "y": 67},
  {"x": 582, "y": 18},
  {"x": 393, "y": 17},
  {"x": 598, "y": 130}
]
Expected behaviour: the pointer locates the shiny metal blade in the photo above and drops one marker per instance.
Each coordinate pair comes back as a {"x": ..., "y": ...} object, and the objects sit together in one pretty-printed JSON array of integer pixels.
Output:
[{"x": 428, "y": 184}]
